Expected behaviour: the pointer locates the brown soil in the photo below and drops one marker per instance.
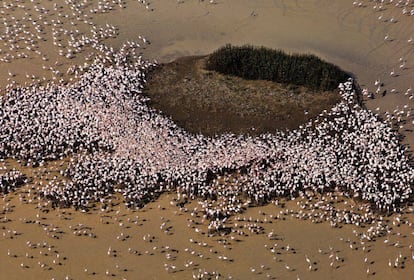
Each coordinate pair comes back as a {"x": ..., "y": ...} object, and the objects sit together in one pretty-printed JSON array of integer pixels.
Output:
[{"x": 207, "y": 102}]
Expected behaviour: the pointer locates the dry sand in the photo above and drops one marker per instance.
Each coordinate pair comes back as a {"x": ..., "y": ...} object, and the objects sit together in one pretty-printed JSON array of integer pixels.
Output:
[{"x": 352, "y": 37}]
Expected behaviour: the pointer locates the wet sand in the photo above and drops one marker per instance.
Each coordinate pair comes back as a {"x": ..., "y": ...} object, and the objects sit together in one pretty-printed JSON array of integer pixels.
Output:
[{"x": 65, "y": 242}]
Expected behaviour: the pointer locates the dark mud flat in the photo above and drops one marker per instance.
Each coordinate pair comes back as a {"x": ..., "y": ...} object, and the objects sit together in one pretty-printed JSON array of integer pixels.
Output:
[{"x": 207, "y": 102}]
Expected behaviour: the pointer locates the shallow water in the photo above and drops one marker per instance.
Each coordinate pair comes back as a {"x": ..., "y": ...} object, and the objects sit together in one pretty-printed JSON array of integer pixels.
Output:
[
  {"x": 163, "y": 241},
  {"x": 337, "y": 31}
]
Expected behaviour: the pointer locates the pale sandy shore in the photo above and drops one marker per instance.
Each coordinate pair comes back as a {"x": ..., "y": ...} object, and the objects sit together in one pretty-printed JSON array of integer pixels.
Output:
[{"x": 162, "y": 241}]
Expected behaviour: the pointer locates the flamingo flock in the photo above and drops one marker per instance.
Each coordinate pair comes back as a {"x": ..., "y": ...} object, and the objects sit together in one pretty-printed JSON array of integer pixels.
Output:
[{"x": 118, "y": 144}]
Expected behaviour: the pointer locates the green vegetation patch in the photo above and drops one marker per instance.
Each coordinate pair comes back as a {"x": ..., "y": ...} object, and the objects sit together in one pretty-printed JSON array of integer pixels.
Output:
[{"x": 260, "y": 63}]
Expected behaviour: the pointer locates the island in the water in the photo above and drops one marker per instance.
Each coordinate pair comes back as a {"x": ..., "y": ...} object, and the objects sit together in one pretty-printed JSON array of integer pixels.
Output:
[{"x": 247, "y": 90}]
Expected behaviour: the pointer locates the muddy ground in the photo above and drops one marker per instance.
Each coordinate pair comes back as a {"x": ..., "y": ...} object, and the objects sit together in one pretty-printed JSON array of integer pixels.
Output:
[{"x": 210, "y": 103}]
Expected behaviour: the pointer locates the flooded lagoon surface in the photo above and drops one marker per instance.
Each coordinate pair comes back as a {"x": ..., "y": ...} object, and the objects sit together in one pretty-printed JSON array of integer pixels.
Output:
[{"x": 164, "y": 240}]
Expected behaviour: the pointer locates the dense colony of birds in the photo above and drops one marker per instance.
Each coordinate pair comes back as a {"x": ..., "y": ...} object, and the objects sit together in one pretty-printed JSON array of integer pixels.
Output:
[
  {"x": 10, "y": 180},
  {"x": 120, "y": 144}
]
